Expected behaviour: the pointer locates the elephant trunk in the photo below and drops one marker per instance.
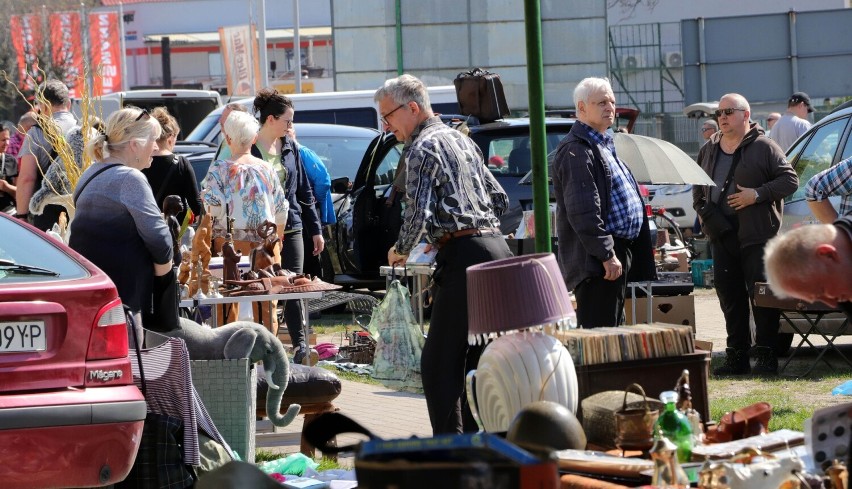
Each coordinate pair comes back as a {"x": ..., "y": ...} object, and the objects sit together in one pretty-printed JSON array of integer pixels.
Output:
[{"x": 277, "y": 371}]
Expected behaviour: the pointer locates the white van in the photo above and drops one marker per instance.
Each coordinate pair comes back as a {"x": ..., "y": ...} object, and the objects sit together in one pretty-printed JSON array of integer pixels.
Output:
[
  {"x": 189, "y": 107},
  {"x": 353, "y": 108}
]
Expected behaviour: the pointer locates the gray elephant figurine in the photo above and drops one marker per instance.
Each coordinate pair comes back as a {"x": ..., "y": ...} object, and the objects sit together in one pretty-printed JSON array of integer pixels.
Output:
[{"x": 244, "y": 339}]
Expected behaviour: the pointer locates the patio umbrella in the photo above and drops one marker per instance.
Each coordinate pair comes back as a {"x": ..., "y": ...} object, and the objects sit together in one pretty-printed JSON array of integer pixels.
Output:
[{"x": 655, "y": 161}]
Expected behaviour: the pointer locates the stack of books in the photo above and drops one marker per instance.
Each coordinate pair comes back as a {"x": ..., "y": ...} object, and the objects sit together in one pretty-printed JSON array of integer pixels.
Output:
[{"x": 636, "y": 342}]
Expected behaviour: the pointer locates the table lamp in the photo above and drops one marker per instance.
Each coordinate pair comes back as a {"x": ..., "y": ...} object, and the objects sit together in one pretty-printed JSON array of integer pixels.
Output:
[{"x": 513, "y": 303}]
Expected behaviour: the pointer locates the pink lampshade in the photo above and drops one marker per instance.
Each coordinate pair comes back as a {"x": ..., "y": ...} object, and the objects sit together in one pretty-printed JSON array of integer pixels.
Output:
[{"x": 516, "y": 293}]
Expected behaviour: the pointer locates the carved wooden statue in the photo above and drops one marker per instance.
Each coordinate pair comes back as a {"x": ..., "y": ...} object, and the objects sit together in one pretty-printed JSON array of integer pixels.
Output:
[
  {"x": 230, "y": 259},
  {"x": 263, "y": 255},
  {"x": 200, "y": 257}
]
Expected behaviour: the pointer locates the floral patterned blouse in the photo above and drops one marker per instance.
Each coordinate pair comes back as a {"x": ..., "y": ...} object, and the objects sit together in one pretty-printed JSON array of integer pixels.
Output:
[{"x": 252, "y": 193}]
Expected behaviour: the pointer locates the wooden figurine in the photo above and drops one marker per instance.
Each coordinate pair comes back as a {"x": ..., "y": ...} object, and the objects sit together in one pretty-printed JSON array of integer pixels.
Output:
[
  {"x": 230, "y": 259},
  {"x": 263, "y": 255}
]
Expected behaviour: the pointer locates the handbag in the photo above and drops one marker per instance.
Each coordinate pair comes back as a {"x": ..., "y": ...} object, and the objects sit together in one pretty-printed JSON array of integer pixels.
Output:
[
  {"x": 742, "y": 423},
  {"x": 716, "y": 225},
  {"x": 159, "y": 461},
  {"x": 480, "y": 94},
  {"x": 165, "y": 313}
]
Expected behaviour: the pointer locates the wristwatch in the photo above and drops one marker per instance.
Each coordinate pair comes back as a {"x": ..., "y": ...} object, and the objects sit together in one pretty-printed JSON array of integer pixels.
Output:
[{"x": 756, "y": 195}]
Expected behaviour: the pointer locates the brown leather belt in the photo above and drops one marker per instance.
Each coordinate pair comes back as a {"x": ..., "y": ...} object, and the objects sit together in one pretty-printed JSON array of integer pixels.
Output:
[{"x": 466, "y": 232}]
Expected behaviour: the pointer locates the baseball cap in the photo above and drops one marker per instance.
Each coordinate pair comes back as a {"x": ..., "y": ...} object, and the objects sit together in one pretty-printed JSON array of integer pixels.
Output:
[{"x": 800, "y": 97}]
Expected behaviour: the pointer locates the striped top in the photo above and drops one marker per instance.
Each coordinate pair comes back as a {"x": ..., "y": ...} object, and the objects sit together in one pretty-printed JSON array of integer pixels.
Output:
[{"x": 169, "y": 390}]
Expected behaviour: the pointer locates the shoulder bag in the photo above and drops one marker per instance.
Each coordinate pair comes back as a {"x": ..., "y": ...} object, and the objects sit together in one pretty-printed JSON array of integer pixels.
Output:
[{"x": 716, "y": 225}]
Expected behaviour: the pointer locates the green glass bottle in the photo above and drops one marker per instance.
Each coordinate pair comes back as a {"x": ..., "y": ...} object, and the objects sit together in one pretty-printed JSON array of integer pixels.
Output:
[{"x": 675, "y": 426}]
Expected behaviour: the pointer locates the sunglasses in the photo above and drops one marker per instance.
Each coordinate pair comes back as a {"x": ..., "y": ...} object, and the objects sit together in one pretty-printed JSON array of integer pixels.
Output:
[
  {"x": 142, "y": 114},
  {"x": 384, "y": 118},
  {"x": 288, "y": 121},
  {"x": 730, "y": 111}
]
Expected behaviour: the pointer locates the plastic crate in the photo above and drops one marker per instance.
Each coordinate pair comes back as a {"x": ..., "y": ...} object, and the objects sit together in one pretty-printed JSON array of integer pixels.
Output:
[{"x": 698, "y": 269}]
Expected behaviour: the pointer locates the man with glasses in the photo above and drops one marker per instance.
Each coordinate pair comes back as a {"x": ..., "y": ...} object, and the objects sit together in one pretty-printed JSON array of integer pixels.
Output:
[
  {"x": 794, "y": 122},
  {"x": 453, "y": 202},
  {"x": 604, "y": 238},
  {"x": 37, "y": 151},
  {"x": 739, "y": 215}
]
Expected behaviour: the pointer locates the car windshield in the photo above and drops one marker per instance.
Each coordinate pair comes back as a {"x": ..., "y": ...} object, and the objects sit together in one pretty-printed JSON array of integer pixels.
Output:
[
  {"x": 815, "y": 154},
  {"x": 205, "y": 127},
  {"x": 508, "y": 152},
  {"x": 341, "y": 155},
  {"x": 26, "y": 256}
]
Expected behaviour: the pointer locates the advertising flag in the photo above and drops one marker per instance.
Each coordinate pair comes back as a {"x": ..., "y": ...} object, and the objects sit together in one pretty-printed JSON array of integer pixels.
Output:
[
  {"x": 241, "y": 58},
  {"x": 66, "y": 49},
  {"x": 106, "y": 52},
  {"x": 27, "y": 39}
]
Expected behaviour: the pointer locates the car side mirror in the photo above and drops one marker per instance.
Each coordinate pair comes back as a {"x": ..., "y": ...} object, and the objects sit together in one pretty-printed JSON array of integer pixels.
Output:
[{"x": 340, "y": 185}]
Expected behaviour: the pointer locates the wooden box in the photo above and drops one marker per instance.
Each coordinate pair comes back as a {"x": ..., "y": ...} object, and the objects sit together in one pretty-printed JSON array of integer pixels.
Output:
[{"x": 655, "y": 375}]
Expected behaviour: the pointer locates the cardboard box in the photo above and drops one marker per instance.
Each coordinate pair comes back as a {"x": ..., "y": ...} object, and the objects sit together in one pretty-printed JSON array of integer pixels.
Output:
[{"x": 676, "y": 309}]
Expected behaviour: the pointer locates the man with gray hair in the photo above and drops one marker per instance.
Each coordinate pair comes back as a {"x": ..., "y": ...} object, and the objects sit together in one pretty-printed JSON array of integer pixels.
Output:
[
  {"x": 453, "y": 202},
  {"x": 604, "y": 238},
  {"x": 822, "y": 254},
  {"x": 36, "y": 152},
  {"x": 708, "y": 128},
  {"x": 739, "y": 215}
]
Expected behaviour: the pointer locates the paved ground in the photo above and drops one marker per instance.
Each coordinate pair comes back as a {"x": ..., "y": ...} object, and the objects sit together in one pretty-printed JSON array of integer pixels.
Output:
[{"x": 391, "y": 414}]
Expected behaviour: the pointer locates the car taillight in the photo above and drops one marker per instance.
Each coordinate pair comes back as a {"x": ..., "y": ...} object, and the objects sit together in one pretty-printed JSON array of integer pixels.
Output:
[
  {"x": 109, "y": 333},
  {"x": 648, "y": 210}
]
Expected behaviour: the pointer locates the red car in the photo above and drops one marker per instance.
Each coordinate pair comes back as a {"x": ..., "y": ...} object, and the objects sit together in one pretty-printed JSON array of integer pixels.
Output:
[{"x": 70, "y": 415}]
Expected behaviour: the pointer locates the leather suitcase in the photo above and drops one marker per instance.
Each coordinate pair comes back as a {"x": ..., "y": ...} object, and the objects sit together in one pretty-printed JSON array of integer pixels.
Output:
[{"x": 480, "y": 94}]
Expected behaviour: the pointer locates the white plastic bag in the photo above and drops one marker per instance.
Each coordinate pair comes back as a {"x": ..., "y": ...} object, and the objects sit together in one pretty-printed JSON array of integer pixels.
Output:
[{"x": 399, "y": 342}]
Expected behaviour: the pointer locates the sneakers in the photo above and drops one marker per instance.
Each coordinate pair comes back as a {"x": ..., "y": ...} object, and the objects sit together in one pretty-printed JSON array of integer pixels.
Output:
[
  {"x": 765, "y": 361},
  {"x": 305, "y": 356},
  {"x": 736, "y": 363}
]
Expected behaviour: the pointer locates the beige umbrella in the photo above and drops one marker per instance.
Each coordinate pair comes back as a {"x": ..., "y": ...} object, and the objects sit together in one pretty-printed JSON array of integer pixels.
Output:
[{"x": 656, "y": 161}]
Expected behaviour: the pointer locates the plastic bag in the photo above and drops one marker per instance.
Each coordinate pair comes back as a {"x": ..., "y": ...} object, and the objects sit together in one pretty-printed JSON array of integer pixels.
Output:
[
  {"x": 399, "y": 342},
  {"x": 844, "y": 389},
  {"x": 293, "y": 464}
]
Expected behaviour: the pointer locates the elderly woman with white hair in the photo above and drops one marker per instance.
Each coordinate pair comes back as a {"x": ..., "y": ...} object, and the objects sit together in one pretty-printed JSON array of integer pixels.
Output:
[
  {"x": 244, "y": 188},
  {"x": 117, "y": 224}
]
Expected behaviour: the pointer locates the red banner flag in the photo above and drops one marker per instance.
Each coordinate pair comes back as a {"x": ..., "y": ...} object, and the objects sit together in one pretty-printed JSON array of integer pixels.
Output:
[
  {"x": 67, "y": 49},
  {"x": 106, "y": 52},
  {"x": 27, "y": 40}
]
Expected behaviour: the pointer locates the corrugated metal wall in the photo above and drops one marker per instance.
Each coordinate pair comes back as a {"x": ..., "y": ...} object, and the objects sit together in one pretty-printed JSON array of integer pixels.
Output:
[{"x": 441, "y": 38}]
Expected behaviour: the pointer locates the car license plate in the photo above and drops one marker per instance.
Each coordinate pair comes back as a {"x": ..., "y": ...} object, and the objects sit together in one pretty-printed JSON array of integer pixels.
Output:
[{"x": 22, "y": 336}]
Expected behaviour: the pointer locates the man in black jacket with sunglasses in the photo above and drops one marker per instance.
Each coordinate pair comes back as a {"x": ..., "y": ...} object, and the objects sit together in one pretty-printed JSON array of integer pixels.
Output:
[{"x": 752, "y": 178}]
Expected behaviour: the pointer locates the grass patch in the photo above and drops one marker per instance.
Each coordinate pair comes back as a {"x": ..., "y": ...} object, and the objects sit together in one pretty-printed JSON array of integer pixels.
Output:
[
  {"x": 261, "y": 456},
  {"x": 792, "y": 399}
]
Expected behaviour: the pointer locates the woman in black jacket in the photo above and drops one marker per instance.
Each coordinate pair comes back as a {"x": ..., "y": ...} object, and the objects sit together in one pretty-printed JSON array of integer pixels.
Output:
[{"x": 276, "y": 147}]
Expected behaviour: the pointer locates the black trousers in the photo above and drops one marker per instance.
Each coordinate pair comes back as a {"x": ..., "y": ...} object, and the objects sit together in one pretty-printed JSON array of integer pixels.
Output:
[
  {"x": 735, "y": 271},
  {"x": 600, "y": 302},
  {"x": 293, "y": 259},
  {"x": 446, "y": 356}
]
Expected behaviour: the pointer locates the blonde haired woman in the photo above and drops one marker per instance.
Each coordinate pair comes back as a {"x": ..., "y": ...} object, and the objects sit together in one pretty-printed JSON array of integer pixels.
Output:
[{"x": 118, "y": 226}]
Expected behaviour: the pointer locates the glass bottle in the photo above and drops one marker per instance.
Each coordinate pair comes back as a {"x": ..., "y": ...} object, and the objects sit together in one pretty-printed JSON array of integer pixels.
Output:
[{"x": 675, "y": 426}]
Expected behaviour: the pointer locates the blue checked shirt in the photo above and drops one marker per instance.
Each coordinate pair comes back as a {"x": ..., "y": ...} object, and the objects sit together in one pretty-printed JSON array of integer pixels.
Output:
[
  {"x": 626, "y": 208},
  {"x": 836, "y": 180}
]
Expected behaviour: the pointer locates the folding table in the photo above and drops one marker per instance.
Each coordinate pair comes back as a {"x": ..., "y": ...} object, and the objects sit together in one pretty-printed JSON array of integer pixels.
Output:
[{"x": 819, "y": 319}]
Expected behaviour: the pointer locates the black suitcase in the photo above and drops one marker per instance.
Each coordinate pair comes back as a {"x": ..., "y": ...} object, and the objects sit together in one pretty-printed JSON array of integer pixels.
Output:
[{"x": 480, "y": 94}]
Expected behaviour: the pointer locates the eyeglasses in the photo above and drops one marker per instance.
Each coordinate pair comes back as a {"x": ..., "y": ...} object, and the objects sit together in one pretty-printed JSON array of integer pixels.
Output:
[
  {"x": 384, "y": 118},
  {"x": 729, "y": 111},
  {"x": 705, "y": 129},
  {"x": 288, "y": 121},
  {"x": 142, "y": 114}
]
